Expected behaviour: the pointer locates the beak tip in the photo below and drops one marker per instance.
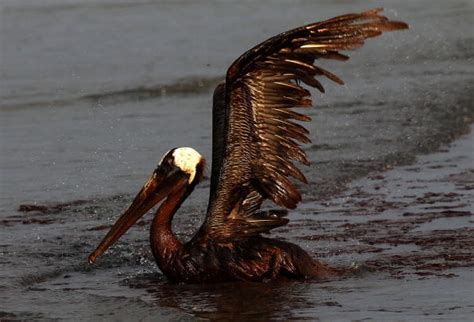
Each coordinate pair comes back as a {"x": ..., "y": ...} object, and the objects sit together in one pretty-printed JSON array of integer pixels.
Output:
[{"x": 91, "y": 259}]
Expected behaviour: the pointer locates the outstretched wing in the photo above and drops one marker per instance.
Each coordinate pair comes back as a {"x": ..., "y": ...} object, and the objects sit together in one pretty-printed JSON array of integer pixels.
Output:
[{"x": 255, "y": 158}]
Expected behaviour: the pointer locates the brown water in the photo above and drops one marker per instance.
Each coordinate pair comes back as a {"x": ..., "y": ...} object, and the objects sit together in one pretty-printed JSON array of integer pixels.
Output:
[{"x": 94, "y": 92}]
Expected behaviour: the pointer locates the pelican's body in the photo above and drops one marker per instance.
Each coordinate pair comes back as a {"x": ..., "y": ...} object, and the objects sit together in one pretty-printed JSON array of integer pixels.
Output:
[
  {"x": 250, "y": 259},
  {"x": 254, "y": 142}
]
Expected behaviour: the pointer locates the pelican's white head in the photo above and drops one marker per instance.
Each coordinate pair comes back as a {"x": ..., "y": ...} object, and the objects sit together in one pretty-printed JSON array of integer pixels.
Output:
[
  {"x": 186, "y": 159},
  {"x": 179, "y": 171}
]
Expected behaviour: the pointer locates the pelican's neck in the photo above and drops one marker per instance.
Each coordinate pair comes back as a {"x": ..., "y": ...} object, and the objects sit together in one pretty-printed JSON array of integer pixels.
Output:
[{"x": 164, "y": 243}]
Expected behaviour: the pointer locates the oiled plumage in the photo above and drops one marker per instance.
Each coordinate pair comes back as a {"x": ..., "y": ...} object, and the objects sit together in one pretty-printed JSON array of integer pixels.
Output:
[
  {"x": 260, "y": 139},
  {"x": 256, "y": 143},
  {"x": 248, "y": 259}
]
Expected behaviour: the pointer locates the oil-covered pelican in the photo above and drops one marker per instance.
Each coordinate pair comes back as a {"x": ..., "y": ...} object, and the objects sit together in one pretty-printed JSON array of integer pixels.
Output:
[{"x": 255, "y": 142}]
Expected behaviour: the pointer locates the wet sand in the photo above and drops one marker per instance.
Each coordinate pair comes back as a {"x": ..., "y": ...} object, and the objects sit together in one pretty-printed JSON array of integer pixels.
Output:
[{"x": 409, "y": 230}]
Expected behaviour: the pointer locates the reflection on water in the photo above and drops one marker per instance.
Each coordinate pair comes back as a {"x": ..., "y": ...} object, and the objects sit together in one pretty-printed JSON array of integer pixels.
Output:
[{"x": 238, "y": 301}]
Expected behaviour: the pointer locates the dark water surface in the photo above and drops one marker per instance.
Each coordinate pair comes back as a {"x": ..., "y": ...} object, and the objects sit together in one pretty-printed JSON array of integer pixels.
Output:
[{"x": 94, "y": 92}]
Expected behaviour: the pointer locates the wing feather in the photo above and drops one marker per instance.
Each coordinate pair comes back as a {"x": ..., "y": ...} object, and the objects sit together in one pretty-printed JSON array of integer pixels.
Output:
[{"x": 262, "y": 139}]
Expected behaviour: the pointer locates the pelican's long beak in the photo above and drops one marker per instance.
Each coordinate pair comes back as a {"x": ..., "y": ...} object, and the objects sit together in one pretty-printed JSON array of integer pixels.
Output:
[{"x": 158, "y": 186}]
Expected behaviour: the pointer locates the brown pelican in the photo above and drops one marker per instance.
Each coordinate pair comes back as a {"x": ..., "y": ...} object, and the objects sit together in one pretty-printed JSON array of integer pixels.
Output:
[{"x": 255, "y": 142}]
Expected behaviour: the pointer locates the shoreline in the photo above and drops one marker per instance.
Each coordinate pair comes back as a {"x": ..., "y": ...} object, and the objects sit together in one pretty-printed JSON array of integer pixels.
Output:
[{"x": 412, "y": 223}]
